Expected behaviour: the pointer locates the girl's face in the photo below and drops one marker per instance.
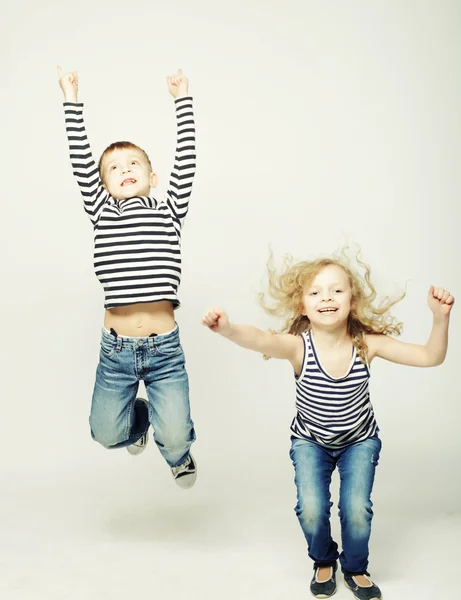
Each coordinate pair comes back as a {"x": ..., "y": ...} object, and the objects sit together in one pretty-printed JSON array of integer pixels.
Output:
[{"x": 327, "y": 299}]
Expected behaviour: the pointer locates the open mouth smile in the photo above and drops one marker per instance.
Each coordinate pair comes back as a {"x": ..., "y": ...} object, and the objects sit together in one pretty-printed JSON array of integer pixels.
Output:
[{"x": 128, "y": 182}]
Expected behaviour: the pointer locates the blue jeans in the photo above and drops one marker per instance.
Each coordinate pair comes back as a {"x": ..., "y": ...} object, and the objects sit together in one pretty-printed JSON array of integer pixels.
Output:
[
  {"x": 117, "y": 419},
  {"x": 314, "y": 466}
]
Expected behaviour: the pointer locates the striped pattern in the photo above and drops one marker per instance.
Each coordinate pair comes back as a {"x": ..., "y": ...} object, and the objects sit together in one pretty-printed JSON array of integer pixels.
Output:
[
  {"x": 332, "y": 412},
  {"x": 137, "y": 242}
]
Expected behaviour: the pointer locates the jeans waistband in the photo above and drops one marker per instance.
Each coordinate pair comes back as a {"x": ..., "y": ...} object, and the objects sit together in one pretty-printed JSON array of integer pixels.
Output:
[{"x": 131, "y": 341}]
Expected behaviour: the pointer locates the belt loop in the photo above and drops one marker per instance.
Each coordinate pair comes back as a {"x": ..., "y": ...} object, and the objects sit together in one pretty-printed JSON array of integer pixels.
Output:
[{"x": 119, "y": 344}]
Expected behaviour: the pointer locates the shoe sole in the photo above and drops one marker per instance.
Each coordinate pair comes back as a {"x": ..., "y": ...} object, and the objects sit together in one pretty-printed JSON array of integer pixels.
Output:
[
  {"x": 374, "y": 597},
  {"x": 326, "y": 595},
  {"x": 186, "y": 487},
  {"x": 193, "y": 477},
  {"x": 137, "y": 450}
]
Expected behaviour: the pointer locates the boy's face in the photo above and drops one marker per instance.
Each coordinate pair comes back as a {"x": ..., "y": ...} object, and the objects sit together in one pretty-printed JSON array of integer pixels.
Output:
[
  {"x": 126, "y": 173},
  {"x": 328, "y": 298}
]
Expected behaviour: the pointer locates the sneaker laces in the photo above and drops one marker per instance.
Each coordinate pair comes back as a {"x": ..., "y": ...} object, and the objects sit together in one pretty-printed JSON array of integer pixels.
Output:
[{"x": 180, "y": 468}]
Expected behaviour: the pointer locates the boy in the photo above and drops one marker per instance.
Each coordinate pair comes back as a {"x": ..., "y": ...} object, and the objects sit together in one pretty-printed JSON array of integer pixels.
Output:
[{"x": 137, "y": 258}]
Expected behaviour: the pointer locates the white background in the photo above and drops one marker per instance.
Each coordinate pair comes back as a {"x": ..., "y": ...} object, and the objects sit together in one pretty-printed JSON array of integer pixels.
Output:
[{"x": 318, "y": 123}]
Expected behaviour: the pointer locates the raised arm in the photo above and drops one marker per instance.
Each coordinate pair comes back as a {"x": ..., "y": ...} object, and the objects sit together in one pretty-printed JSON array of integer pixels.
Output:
[
  {"x": 85, "y": 169},
  {"x": 285, "y": 346},
  {"x": 430, "y": 354},
  {"x": 182, "y": 175}
]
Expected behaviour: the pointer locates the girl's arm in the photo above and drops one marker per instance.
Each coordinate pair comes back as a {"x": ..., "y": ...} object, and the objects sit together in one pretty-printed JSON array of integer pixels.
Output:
[
  {"x": 430, "y": 354},
  {"x": 286, "y": 346},
  {"x": 85, "y": 169}
]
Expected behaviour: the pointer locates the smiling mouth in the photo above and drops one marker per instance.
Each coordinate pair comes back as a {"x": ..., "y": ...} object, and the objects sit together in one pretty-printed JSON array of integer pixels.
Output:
[
  {"x": 128, "y": 182},
  {"x": 328, "y": 310}
]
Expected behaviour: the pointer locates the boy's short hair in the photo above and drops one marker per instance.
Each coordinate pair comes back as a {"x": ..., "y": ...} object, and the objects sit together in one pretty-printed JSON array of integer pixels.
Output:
[{"x": 121, "y": 146}]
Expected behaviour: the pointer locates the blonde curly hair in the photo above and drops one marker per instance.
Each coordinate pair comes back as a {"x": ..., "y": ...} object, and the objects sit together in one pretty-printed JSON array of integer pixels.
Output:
[{"x": 286, "y": 290}]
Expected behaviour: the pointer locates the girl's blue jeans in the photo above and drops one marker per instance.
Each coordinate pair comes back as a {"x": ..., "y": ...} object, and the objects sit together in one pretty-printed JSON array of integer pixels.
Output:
[{"x": 314, "y": 466}]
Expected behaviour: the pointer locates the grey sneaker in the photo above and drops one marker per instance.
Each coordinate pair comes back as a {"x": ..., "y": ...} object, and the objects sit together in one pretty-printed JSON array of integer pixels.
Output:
[
  {"x": 185, "y": 474},
  {"x": 324, "y": 589},
  {"x": 369, "y": 592},
  {"x": 141, "y": 444}
]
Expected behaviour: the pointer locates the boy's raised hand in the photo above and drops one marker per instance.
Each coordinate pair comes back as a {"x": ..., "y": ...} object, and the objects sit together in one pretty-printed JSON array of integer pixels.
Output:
[
  {"x": 178, "y": 85},
  {"x": 216, "y": 320},
  {"x": 69, "y": 85},
  {"x": 440, "y": 301}
]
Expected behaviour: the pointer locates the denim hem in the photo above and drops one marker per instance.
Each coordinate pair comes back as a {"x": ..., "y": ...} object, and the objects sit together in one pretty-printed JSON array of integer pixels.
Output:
[{"x": 323, "y": 563}]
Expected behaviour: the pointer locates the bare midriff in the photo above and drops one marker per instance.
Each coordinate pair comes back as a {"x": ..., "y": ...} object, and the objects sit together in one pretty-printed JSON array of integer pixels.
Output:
[{"x": 140, "y": 320}]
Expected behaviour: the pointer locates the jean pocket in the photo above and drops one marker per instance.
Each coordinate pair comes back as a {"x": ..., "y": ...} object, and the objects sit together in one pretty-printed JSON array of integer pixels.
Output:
[
  {"x": 377, "y": 441},
  {"x": 170, "y": 348},
  {"x": 107, "y": 347},
  {"x": 376, "y": 450},
  {"x": 375, "y": 459}
]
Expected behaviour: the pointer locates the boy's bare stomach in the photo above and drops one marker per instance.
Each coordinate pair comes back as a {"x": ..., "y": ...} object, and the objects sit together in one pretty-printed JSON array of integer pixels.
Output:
[{"x": 140, "y": 320}]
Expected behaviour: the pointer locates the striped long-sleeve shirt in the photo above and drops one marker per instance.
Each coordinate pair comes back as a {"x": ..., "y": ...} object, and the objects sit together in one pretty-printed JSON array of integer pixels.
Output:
[
  {"x": 137, "y": 241},
  {"x": 334, "y": 412}
]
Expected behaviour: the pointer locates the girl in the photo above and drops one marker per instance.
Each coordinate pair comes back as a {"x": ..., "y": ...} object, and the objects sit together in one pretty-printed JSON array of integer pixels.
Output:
[{"x": 332, "y": 334}]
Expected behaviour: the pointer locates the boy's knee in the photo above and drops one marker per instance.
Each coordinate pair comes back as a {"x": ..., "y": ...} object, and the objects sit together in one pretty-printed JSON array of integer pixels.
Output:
[
  {"x": 104, "y": 436},
  {"x": 174, "y": 441}
]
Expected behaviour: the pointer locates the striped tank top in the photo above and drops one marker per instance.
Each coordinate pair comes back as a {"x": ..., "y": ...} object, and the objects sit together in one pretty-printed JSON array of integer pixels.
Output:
[{"x": 334, "y": 412}]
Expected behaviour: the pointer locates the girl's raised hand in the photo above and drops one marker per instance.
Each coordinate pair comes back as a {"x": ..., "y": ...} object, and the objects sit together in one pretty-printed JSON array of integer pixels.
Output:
[
  {"x": 69, "y": 84},
  {"x": 440, "y": 301},
  {"x": 216, "y": 320},
  {"x": 178, "y": 85}
]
